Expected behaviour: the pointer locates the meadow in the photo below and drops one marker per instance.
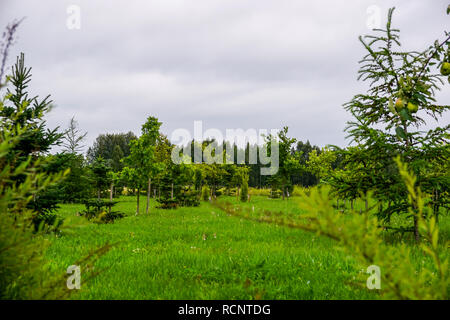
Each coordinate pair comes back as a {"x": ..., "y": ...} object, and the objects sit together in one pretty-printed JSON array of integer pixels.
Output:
[{"x": 203, "y": 253}]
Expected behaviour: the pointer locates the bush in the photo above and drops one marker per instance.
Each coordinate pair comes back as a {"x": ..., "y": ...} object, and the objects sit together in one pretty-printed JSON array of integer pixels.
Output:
[
  {"x": 167, "y": 203},
  {"x": 259, "y": 192},
  {"x": 275, "y": 194},
  {"x": 99, "y": 211},
  {"x": 188, "y": 198},
  {"x": 298, "y": 191},
  {"x": 244, "y": 192}
]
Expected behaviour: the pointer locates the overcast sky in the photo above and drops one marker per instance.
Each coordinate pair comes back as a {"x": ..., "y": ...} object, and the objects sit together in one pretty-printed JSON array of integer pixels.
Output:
[{"x": 231, "y": 63}]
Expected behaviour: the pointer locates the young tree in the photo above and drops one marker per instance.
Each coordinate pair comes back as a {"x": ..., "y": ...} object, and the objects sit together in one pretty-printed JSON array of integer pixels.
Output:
[
  {"x": 73, "y": 138},
  {"x": 21, "y": 110},
  {"x": 288, "y": 162},
  {"x": 142, "y": 154},
  {"x": 388, "y": 118},
  {"x": 240, "y": 177},
  {"x": 244, "y": 193},
  {"x": 100, "y": 171}
]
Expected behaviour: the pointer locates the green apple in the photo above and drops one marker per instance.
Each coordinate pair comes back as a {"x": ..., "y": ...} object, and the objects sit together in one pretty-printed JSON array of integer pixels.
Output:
[
  {"x": 412, "y": 107},
  {"x": 445, "y": 69}
]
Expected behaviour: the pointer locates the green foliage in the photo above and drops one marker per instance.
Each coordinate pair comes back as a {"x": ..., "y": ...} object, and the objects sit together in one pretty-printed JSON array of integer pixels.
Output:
[
  {"x": 362, "y": 237},
  {"x": 305, "y": 177},
  {"x": 198, "y": 178},
  {"x": 289, "y": 162},
  {"x": 19, "y": 109},
  {"x": 100, "y": 176},
  {"x": 25, "y": 179},
  {"x": 99, "y": 211},
  {"x": 206, "y": 193},
  {"x": 143, "y": 155},
  {"x": 78, "y": 184},
  {"x": 275, "y": 194},
  {"x": 244, "y": 192},
  {"x": 167, "y": 203},
  {"x": 188, "y": 198},
  {"x": 382, "y": 131},
  {"x": 321, "y": 163},
  {"x": 112, "y": 147}
]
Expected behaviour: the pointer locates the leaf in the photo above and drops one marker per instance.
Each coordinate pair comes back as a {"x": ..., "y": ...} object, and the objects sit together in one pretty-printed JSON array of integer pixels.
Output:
[
  {"x": 391, "y": 106},
  {"x": 401, "y": 133},
  {"x": 405, "y": 115},
  {"x": 448, "y": 9}
]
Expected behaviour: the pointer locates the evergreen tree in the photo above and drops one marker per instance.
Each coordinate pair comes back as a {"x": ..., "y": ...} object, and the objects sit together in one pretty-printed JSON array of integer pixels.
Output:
[
  {"x": 21, "y": 110},
  {"x": 388, "y": 119}
]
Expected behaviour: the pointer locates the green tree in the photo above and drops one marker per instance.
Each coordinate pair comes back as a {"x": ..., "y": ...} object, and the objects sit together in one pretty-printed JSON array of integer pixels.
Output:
[
  {"x": 19, "y": 109},
  {"x": 24, "y": 274},
  {"x": 241, "y": 177},
  {"x": 100, "y": 175},
  {"x": 389, "y": 118},
  {"x": 288, "y": 162},
  {"x": 112, "y": 147},
  {"x": 142, "y": 155}
]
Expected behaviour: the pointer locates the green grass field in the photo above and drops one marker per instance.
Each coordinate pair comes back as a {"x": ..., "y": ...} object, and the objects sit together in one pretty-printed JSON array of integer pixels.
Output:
[{"x": 202, "y": 253}]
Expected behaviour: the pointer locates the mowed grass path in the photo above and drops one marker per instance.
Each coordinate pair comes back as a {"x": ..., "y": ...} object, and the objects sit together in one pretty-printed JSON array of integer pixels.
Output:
[{"x": 202, "y": 253}]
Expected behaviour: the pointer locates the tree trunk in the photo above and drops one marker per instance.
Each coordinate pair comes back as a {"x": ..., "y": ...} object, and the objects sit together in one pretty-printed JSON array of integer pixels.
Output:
[
  {"x": 137, "y": 203},
  {"x": 98, "y": 194},
  {"x": 237, "y": 193},
  {"x": 111, "y": 190},
  {"x": 171, "y": 192},
  {"x": 148, "y": 195}
]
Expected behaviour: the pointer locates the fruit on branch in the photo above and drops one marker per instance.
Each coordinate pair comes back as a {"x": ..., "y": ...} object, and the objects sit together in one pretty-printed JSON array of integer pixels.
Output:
[
  {"x": 445, "y": 69},
  {"x": 412, "y": 107},
  {"x": 399, "y": 104}
]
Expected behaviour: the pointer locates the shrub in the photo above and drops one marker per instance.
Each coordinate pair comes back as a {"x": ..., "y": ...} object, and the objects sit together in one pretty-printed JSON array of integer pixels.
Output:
[
  {"x": 259, "y": 192},
  {"x": 244, "y": 192},
  {"x": 275, "y": 194},
  {"x": 99, "y": 211},
  {"x": 188, "y": 198},
  {"x": 167, "y": 203}
]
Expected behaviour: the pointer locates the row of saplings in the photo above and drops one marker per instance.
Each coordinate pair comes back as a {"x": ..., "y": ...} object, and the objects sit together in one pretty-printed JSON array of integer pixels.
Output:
[{"x": 168, "y": 196}]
